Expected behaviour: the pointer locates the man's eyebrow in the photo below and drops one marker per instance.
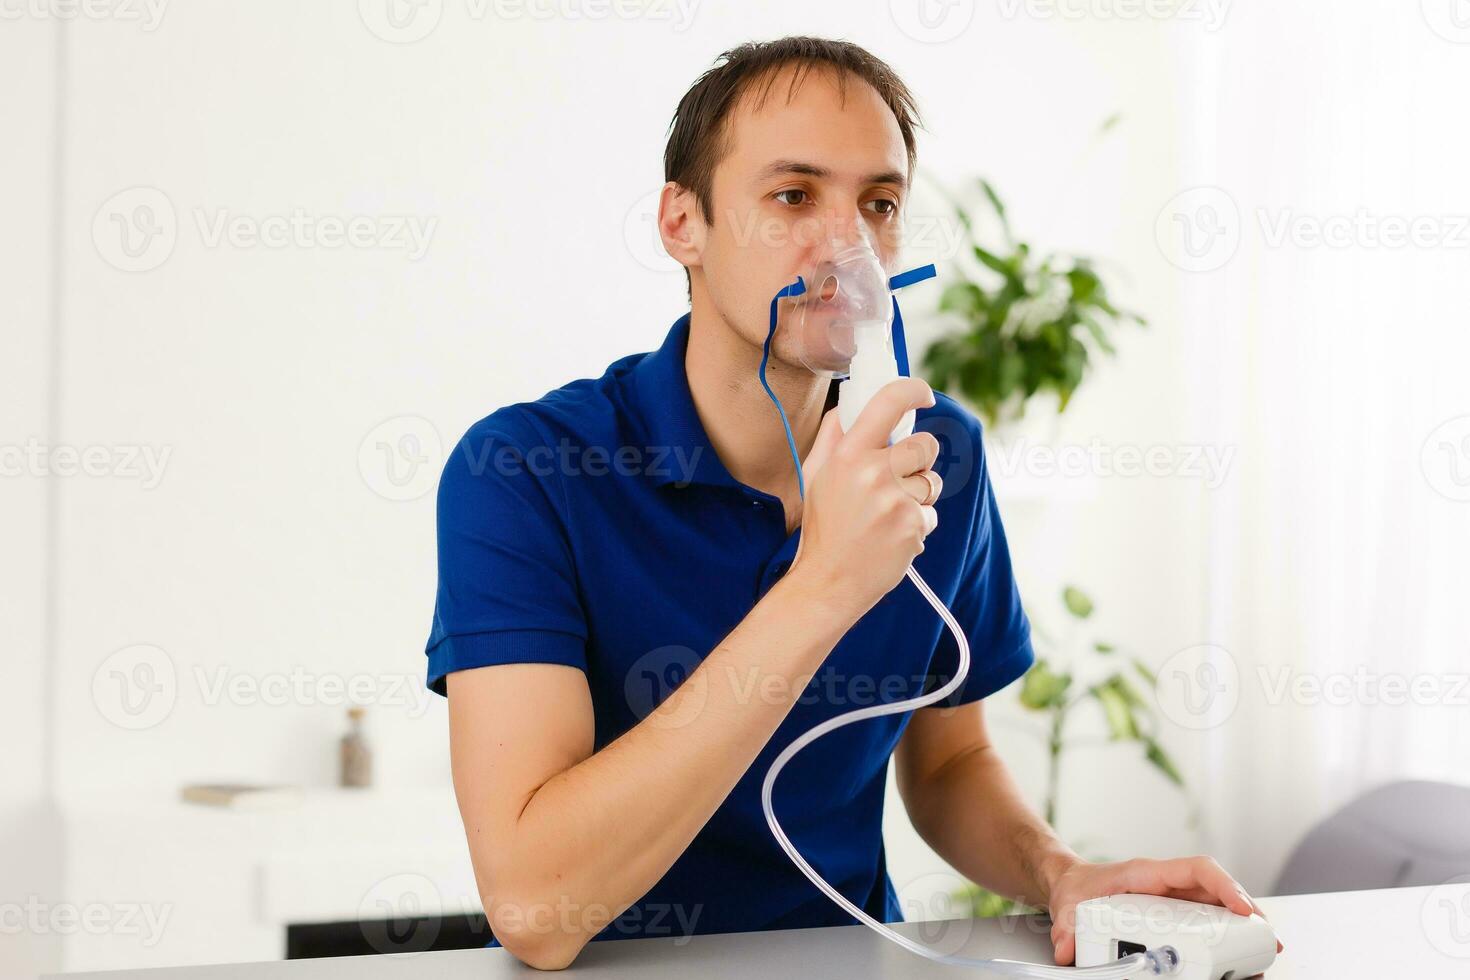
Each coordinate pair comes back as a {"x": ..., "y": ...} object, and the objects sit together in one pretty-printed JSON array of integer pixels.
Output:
[
  {"x": 779, "y": 168},
  {"x": 889, "y": 177}
]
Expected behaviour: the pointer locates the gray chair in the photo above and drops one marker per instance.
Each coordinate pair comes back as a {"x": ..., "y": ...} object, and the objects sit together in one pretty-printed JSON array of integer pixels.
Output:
[{"x": 1409, "y": 833}]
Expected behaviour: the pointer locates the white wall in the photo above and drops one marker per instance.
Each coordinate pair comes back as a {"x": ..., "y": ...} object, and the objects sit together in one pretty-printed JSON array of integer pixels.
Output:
[
  {"x": 30, "y": 850},
  {"x": 269, "y": 547},
  {"x": 1336, "y": 347}
]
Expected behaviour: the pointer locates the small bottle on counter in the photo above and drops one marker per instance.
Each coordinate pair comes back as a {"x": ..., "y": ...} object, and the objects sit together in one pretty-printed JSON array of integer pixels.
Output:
[{"x": 357, "y": 756}]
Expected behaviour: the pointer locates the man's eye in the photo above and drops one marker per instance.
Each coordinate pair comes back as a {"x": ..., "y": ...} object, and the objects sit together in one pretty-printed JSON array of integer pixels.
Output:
[
  {"x": 882, "y": 206},
  {"x": 793, "y": 197}
]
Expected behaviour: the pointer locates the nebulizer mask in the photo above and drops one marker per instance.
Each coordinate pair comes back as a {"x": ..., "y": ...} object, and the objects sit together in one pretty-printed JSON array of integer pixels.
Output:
[{"x": 842, "y": 321}]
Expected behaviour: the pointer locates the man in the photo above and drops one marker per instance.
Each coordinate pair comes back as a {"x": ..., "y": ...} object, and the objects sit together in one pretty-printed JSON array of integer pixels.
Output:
[{"x": 637, "y": 610}]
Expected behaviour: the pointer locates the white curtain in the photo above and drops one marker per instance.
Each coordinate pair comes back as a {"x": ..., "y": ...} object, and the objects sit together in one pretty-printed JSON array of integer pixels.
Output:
[{"x": 1327, "y": 298}]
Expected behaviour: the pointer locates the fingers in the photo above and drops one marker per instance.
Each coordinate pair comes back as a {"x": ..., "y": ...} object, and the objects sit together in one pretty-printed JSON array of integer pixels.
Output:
[
  {"x": 1227, "y": 890},
  {"x": 877, "y": 419},
  {"x": 1201, "y": 879},
  {"x": 1064, "y": 933},
  {"x": 911, "y": 455},
  {"x": 1200, "y": 875},
  {"x": 925, "y": 487},
  {"x": 1065, "y": 950},
  {"x": 1261, "y": 912}
]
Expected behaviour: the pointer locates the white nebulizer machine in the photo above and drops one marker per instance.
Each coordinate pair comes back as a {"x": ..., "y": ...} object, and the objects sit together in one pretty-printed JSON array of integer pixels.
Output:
[{"x": 842, "y": 321}]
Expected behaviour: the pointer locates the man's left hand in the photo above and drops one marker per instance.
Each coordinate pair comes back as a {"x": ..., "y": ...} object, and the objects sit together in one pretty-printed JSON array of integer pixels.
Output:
[{"x": 1194, "y": 879}]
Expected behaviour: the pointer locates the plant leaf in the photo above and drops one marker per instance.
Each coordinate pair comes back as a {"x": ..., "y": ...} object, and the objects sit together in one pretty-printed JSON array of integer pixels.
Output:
[
  {"x": 1077, "y": 602},
  {"x": 1042, "y": 688},
  {"x": 1156, "y": 754},
  {"x": 1116, "y": 710},
  {"x": 1129, "y": 693},
  {"x": 1000, "y": 209},
  {"x": 997, "y": 264},
  {"x": 1146, "y": 671}
]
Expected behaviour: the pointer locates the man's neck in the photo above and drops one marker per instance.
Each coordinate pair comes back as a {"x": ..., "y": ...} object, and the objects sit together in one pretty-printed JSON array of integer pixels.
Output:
[{"x": 738, "y": 416}]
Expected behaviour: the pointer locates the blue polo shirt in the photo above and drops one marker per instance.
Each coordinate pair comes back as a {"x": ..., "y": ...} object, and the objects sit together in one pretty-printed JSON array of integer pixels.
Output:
[{"x": 596, "y": 527}]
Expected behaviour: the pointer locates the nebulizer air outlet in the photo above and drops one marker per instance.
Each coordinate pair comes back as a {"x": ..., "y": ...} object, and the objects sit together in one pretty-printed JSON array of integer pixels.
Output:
[{"x": 841, "y": 318}]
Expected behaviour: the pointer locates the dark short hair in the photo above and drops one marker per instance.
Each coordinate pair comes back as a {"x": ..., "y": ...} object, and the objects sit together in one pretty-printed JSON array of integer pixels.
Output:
[{"x": 698, "y": 136}]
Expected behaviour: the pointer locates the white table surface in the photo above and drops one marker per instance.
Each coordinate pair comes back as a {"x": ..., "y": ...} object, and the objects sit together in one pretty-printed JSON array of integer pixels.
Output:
[{"x": 1387, "y": 934}]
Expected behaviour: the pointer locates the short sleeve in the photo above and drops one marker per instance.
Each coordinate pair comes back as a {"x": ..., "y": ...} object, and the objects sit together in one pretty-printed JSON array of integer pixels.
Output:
[
  {"x": 507, "y": 588},
  {"x": 987, "y": 605}
]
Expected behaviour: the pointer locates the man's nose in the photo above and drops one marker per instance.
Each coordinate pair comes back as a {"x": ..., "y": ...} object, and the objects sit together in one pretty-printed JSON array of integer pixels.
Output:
[{"x": 844, "y": 226}]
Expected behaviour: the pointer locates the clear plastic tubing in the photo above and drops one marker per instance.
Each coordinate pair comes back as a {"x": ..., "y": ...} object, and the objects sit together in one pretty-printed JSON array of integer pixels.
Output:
[{"x": 1148, "y": 963}]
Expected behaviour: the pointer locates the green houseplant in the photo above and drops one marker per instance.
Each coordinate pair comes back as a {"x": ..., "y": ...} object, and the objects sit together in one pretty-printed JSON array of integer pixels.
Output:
[
  {"x": 1051, "y": 689},
  {"x": 1030, "y": 323}
]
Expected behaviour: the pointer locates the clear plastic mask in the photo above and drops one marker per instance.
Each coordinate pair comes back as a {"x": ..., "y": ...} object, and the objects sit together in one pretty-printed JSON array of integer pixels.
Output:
[{"x": 847, "y": 300}]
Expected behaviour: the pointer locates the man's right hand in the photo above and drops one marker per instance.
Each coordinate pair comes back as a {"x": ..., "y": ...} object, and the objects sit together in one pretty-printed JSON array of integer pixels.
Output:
[{"x": 863, "y": 519}]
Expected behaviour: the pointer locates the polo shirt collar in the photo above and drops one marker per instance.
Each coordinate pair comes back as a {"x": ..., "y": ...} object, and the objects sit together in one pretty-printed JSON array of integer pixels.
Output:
[{"x": 661, "y": 395}]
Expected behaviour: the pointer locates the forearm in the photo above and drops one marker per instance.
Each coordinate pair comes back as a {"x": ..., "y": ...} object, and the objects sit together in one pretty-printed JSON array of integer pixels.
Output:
[
  {"x": 973, "y": 814},
  {"x": 597, "y": 836}
]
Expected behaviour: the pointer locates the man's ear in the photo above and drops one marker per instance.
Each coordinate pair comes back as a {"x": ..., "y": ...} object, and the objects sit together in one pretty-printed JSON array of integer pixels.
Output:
[{"x": 681, "y": 225}]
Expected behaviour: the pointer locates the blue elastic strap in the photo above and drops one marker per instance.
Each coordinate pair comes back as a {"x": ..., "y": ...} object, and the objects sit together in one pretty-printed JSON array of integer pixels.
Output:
[
  {"x": 795, "y": 289},
  {"x": 900, "y": 345}
]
